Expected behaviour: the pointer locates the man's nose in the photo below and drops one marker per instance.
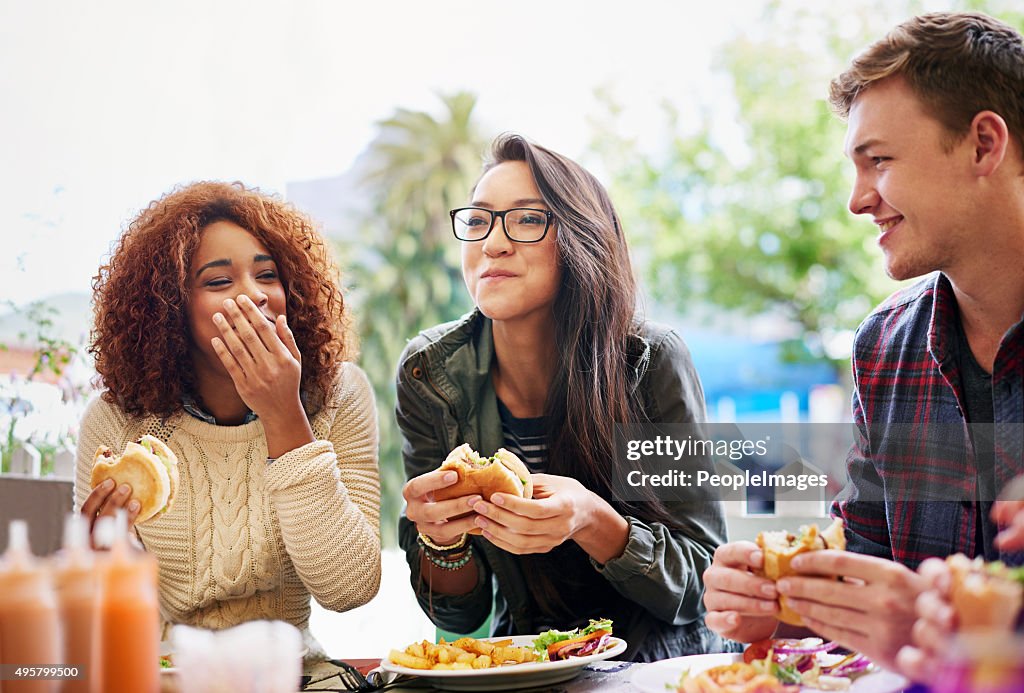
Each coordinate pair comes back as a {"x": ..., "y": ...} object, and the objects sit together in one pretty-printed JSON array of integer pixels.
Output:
[{"x": 864, "y": 197}]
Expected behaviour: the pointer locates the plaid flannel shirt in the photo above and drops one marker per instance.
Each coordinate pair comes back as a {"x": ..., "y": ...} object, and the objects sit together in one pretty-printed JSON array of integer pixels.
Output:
[{"x": 909, "y": 501}]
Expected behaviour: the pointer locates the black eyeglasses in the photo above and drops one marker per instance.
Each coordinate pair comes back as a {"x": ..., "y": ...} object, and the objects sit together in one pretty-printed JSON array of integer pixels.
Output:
[{"x": 522, "y": 224}]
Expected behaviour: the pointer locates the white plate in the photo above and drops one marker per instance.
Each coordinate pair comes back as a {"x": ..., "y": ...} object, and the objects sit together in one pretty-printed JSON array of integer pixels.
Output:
[
  {"x": 509, "y": 676},
  {"x": 653, "y": 678}
]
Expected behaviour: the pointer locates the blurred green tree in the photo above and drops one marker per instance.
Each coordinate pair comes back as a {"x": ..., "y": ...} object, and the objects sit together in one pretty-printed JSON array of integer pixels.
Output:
[
  {"x": 747, "y": 209},
  {"x": 408, "y": 276}
]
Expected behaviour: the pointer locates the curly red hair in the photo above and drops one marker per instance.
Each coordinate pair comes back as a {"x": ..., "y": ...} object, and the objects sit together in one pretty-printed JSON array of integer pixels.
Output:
[{"x": 141, "y": 339}]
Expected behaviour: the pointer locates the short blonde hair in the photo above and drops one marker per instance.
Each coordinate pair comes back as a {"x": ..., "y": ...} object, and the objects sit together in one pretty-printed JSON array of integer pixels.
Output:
[{"x": 958, "y": 64}]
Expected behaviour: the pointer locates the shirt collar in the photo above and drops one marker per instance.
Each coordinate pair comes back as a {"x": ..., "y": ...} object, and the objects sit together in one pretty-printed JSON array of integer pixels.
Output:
[
  {"x": 941, "y": 328},
  {"x": 191, "y": 407}
]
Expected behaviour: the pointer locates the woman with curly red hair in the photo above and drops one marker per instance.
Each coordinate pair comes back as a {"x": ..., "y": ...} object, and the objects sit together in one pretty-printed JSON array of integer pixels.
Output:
[{"x": 221, "y": 330}]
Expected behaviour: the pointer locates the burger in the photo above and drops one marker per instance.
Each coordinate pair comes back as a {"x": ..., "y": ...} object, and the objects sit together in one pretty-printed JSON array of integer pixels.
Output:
[
  {"x": 148, "y": 467},
  {"x": 781, "y": 547},
  {"x": 503, "y": 472},
  {"x": 985, "y": 596}
]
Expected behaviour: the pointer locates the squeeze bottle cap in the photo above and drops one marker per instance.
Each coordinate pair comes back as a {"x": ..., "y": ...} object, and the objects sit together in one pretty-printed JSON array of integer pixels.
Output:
[
  {"x": 17, "y": 538},
  {"x": 76, "y": 533}
]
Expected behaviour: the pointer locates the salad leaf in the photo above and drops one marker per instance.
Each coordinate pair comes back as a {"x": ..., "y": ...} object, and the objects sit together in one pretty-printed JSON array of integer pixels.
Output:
[
  {"x": 787, "y": 674},
  {"x": 549, "y": 637}
]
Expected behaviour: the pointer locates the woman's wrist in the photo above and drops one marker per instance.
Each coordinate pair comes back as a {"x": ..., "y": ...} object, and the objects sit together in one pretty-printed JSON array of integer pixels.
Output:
[
  {"x": 286, "y": 432},
  {"x": 430, "y": 545},
  {"x": 605, "y": 534}
]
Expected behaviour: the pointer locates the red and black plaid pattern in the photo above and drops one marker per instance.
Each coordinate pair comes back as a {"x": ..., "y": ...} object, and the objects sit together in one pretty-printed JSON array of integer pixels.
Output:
[{"x": 914, "y": 479}]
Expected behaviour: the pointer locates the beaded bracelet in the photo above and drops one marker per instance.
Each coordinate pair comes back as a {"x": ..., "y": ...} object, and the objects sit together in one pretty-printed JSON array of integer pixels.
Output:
[
  {"x": 453, "y": 562},
  {"x": 430, "y": 547}
]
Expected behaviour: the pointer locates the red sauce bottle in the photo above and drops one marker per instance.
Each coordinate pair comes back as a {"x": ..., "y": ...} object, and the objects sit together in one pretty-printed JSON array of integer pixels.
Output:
[
  {"x": 129, "y": 618},
  {"x": 77, "y": 580},
  {"x": 29, "y": 629}
]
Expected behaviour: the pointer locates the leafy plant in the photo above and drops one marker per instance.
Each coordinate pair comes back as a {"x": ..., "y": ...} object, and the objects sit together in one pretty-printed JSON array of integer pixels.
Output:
[{"x": 52, "y": 354}]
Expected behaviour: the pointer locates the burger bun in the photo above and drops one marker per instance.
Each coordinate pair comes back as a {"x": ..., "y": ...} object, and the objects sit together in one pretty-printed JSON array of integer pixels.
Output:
[{"x": 148, "y": 467}]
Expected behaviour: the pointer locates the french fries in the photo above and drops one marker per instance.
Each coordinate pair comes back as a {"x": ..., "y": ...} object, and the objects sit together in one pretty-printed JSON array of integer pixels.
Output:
[{"x": 463, "y": 654}]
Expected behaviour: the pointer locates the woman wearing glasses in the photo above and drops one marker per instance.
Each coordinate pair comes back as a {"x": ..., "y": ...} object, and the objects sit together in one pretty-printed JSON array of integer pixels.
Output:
[
  {"x": 220, "y": 329},
  {"x": 551, "y": 359}
]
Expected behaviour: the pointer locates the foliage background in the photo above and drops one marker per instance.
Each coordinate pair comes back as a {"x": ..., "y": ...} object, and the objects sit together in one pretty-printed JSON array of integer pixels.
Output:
[
  {"x": 740, "y": 211},
  {"x": 735, "y": 209}
]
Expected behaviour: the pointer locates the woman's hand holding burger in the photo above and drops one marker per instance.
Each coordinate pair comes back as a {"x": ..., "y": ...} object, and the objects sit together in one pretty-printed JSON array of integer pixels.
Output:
[
  {"x": 143, "y": 481},
  {"x": 105, "y": 500},
  {"x": 561, "y": 509},
  {"x": 438, "y": 519}
]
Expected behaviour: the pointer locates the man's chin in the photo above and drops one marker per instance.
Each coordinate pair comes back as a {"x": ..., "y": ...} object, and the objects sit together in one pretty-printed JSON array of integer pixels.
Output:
[{"x": 901, "y": 271}]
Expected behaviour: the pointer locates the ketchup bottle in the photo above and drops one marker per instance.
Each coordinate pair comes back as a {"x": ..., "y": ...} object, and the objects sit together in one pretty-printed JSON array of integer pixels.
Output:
[
  {"x": 76, "y": 579},
  {"x": 29, "y": 631},
  {"x": 129, "y": 618}
]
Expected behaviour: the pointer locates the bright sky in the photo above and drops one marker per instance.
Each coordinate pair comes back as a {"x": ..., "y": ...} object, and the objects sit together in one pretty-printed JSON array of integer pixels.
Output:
[{"x": 106, "y": 105}]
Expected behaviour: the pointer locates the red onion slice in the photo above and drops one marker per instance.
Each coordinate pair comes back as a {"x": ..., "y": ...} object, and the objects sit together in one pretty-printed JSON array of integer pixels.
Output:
[
  {"x": 797, "y": 647},
  {"x": 855, "y": 667}
]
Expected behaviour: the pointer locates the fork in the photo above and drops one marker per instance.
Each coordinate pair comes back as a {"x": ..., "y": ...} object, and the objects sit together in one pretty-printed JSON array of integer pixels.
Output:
[
  {"x": 347, "y": 674},
  {"x": 353, "y": 681}
]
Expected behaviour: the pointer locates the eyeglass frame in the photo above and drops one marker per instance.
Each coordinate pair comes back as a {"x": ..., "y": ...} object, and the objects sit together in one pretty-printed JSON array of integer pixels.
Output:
[{"x": 548, "y": 216}]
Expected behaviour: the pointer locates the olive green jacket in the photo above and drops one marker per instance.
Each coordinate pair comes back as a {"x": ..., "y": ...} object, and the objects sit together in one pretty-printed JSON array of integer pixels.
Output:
[{"x": 446, "y": 398}]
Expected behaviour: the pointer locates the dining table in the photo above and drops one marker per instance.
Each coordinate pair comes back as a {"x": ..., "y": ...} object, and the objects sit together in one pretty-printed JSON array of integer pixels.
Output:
[{"x": 597, "y": 677}]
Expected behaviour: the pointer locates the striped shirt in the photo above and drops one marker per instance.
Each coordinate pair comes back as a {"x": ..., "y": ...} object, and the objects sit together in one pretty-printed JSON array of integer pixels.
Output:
[{"x": 525, "y": 438}]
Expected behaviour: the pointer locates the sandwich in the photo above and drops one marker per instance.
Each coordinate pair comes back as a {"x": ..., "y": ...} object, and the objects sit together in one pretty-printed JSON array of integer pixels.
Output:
[
  {"x": 501, "y": 473},
  {"x": 579, "y": 642},
  {"x": 148, "y": 466},
  {"x": 985, "y": 596},
  {"x": 780, "y": 548}
]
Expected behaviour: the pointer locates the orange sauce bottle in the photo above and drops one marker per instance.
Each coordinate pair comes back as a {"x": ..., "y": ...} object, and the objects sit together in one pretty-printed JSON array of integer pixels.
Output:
[
  {"x": 29, "y": 629},
  {"x": 129, "y": 619},
  {"x": 76, "y": 578}
]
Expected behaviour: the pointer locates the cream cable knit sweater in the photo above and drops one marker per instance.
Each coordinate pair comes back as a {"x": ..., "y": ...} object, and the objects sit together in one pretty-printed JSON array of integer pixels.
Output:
[{"x": 245, "y": 540}]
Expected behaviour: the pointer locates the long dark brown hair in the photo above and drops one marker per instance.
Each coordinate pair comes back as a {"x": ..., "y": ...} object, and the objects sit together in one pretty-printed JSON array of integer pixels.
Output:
[{"x": 595, "y": 323}]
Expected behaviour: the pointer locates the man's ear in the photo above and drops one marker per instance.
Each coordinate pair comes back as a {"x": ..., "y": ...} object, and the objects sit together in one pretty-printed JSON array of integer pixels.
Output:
[{"x": 990, "y": 139}]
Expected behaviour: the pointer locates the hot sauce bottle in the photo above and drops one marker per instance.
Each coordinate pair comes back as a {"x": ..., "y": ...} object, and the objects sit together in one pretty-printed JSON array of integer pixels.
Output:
[
  {"x": 29, "y": 629},
  {"x": 76, "y": 578},
  {"x": 129, "y": 618}
]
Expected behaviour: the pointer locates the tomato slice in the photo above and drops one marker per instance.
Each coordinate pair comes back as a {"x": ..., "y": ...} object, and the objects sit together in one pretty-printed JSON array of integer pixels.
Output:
[{"x": 757, "y": 650}]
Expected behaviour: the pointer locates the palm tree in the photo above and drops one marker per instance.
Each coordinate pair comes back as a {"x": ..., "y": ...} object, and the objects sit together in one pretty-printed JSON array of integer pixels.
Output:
[{"x": 418, "y": 167}]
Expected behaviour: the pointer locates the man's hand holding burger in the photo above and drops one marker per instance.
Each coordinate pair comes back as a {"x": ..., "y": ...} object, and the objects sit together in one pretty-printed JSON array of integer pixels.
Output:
[
  {"x": 870, "y": 610},
  {"x": 741, "y": 606}
]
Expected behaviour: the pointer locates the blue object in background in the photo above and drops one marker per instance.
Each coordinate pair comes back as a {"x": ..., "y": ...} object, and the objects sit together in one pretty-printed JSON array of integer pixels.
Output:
[{"x": 752, "y": 374}]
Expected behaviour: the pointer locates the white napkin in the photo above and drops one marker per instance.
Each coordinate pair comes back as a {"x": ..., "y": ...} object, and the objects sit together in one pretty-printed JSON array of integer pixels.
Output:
[{"x": 255, "y": 657}]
